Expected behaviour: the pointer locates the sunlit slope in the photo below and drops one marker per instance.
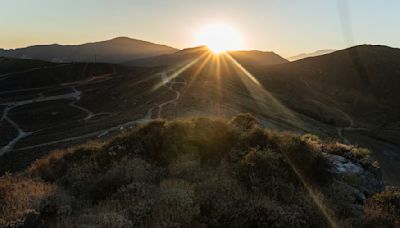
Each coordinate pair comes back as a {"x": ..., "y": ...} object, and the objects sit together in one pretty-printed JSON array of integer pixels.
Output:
[{"x": 218, "y": 85}]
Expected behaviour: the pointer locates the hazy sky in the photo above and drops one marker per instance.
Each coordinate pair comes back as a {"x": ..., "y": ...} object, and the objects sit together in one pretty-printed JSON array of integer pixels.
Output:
[{"x": 287, "y": 27}]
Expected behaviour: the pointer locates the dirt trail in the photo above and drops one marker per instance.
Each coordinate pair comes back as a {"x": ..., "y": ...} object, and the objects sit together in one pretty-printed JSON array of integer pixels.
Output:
[
  {"x": 74, "y": 95},
  {"x": 169, "y": 84},
  {"x": 166, "y": 81},
  {"x": 339, "y": 130},
  {"x": 21, "y": 133}
]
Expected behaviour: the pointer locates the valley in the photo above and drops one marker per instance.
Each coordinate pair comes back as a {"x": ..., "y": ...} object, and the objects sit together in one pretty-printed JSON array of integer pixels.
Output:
[{"x": 51, "y": 107}]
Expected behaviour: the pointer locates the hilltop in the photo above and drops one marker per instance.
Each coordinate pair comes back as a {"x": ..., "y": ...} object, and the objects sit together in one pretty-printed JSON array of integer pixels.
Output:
[
  {"x": 116, "y": 50},
  {"x": 253, "y": 58},
  {"x": 201, "y": 172},
  {"x": 312, "y": 54}
]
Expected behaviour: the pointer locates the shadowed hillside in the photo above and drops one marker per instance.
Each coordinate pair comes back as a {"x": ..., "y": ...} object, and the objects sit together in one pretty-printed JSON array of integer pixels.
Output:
[
  {"x": 116, "y": 50},
  {"x": 356, "y": 90},
  {"x": 8, "y": 65},
  {"x": 361, "y": 81},
  {"x": 201, "y": 172}
]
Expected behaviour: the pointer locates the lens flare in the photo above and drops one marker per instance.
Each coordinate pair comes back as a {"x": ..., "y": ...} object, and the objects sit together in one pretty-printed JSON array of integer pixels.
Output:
[{"x": 219, "y": 38}]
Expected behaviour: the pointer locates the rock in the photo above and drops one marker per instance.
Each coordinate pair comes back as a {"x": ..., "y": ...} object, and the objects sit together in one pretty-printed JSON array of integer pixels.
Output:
[
  {"x": 341, "y": 165},
  {"x": 366, "y": 181}
]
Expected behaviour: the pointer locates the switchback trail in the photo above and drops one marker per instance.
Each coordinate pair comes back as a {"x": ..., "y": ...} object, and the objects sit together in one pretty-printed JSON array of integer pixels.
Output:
[
  {"x": 166, "y": 81},
  {"x": 74, "y": 95}
]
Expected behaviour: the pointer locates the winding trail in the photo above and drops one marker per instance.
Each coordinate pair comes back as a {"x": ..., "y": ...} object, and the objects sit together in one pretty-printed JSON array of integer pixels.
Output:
[
  {"x": 73, "y": 104},
  {"x": 21, "y": 133},
  {"x": 74, "y": 95},
  {"x": 169, "y": 84},
  {"x": 339, "y": 130},
  {"x": 166, "y": 81}
]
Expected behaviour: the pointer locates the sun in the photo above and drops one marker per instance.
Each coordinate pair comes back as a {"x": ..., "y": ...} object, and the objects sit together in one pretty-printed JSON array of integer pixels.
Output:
[{"x": 219, "y": 38}]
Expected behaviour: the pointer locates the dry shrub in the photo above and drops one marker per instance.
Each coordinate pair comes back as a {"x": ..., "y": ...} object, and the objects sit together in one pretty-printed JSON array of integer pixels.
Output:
[
  {"x": 304, "y": 158},
  {"x": 19, "y": 196},
  {"x": 244, "y": 121},
  {"x": 195, "y": 173},
  {"x": 383, "y": 210},
  {"x": 175, "y": 205},
  {"x": 49, "y": 168}
]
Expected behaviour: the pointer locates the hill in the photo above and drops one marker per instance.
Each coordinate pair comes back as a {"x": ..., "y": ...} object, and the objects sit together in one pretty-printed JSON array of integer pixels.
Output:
[
  {"x": 312, "y": 54},
  {"x": 356, "y": 90},
  {"x": 177, "y": 58},
  {"x": 349, "y": 95},
  {"x": 116, "y": 50},
  {"x": 257, "y": 58},
  {"x": 201, "y": 173},
  {"x": 361, "y": 81},
  {"x": 8, "y": 65}
]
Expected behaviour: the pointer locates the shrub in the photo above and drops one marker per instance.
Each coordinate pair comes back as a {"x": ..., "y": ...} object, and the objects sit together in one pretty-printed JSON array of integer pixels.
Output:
[
  {"x": 51, "y": 167},
  {"x": 383, "y": 210},
  {"x": 195, "y": 173},
  {"x": 266, "y": 170},
  {"x": 305, "y": 160},
  {"x": 175, "y": 204},
  {"x": 19, "y": 196},
  {"x": 244, "y": 122}
]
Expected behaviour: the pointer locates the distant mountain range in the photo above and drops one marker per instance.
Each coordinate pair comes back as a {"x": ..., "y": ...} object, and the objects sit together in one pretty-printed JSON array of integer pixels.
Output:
[
  {"x": 312, "y": 54},
  {"x": 252, "y": 58},
  {"x": 116, "y": 50}
]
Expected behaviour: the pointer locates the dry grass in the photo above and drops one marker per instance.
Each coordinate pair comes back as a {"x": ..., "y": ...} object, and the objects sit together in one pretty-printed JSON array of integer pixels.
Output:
[
  {"x": 19, "y": 196},
  {"x": 191, "y": 173}
]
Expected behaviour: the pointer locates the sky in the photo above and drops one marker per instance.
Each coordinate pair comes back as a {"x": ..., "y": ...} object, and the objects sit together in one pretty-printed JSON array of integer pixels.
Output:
[{"x": 287, "y": 27}]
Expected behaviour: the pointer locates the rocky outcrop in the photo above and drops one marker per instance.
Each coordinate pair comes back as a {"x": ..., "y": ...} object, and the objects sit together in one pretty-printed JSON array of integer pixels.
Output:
[{"x": 360, "y": 174}]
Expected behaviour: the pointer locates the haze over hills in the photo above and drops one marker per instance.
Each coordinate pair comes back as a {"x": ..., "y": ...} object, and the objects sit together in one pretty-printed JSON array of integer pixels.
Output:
[
  {"x": 116, "y": 50},
  {"x": 312, "y": 54}
]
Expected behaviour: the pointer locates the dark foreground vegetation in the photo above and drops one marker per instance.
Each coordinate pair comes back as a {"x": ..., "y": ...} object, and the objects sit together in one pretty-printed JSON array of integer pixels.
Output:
[{"x": 200, "y": 173}]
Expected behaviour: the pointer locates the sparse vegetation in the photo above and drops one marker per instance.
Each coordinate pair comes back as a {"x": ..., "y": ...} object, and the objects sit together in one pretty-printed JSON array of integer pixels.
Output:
[{"x": 194, "y": 173}]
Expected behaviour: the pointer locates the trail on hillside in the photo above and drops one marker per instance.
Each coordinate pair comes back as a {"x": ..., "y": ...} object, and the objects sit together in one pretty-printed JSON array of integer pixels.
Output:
[
  {"x": 74, "y": 95},
  {"x": 339, "y": 130},
  {"x": 21, "y": 133},
  {"x": 166, "y": 82}
]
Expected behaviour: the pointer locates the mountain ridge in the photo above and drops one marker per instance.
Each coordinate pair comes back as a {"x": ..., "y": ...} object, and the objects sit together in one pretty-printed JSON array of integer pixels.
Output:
[
  {"x": 252, "y": 57},
  {"x": 310, "y": 54},
  {"x": 114, "y": 50}
]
